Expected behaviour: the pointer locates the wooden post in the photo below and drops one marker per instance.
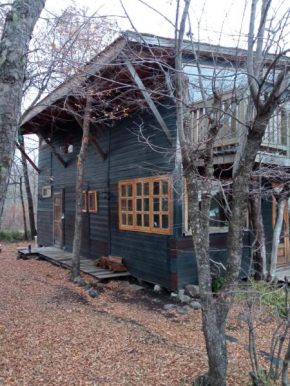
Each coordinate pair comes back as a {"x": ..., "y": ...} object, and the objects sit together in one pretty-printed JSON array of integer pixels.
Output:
[
  {"x": 55, "y": 152},
  {"x": 20, "y": 148}
]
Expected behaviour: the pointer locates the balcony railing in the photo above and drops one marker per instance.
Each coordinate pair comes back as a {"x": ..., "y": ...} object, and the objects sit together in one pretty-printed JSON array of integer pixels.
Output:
[{"x": 276, "y": 139}]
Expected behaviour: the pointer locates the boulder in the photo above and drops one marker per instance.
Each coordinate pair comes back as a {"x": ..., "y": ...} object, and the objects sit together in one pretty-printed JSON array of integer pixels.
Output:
[
  {"x": 135, "y": 288},
  {"x": 192, "y": 290},
  {"x": 184, "y": 298},
  {"x": 93, "y": 294},
  {"x": 195, "y": 305},
  {"x": 181, "y": 310},
  {"x": 168, "y": 306},
  {"x": 157, "y": 289}
]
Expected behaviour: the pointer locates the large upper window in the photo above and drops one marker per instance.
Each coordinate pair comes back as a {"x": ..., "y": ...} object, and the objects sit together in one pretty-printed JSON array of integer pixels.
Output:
[{"x": 145, "y": 205}]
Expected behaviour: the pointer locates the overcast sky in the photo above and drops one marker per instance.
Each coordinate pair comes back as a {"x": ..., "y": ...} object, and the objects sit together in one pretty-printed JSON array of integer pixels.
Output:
[{"x": 218, "y": 21}]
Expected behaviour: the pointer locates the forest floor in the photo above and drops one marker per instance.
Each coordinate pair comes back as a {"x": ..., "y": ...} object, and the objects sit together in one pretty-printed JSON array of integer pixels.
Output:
[{"x": 53, "y": 333}]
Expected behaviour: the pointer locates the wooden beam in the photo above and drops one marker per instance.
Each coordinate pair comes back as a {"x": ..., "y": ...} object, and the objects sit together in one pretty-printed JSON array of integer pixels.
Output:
[
  {"x": 91, "y": 137},
  {"x": 149, "y": 100},
  {"x": 19, "y": 147},
  {"x": 55, "y": 152}
]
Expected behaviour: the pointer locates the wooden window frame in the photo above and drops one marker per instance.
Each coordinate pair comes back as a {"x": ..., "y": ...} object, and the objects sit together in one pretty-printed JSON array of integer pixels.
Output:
[
  {"x": 151, "y": 213},
  {"x": 85, "y": 202},
  {"x": 43, "y": 195},
  {"x": 95, "y": 195}
]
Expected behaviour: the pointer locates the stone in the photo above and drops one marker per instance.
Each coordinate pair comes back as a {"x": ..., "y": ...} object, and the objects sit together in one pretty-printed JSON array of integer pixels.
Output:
[
  {"x": 243, "y": 317},
  {"x": 181, "y": 310},
  {"x": 168, "y": 307},
  {"x": 188, "y": 308},
  {"x": 76, "y": 280},
  {"x": 174, "y": 296},
  {"x": 195, "y": 305},
  {"x": 82, "y": 283},
  {"x": 184, "y": 298},
  {"x": 157, "y": 289},
  {"x": 135, "y": 288},
  {"x": 231, "y": 339},
  {"x": 192, "y": 290},
  {"x": 124, "y": 283},
  {"x": 87, "y": 287},
  {"x": 93, "y": 294}
]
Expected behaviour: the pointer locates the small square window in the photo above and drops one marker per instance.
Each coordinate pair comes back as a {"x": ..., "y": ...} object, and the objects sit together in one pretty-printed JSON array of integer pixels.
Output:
[
  {"x": 92, "y": 201},
  {"x": 46, "y": 191}
]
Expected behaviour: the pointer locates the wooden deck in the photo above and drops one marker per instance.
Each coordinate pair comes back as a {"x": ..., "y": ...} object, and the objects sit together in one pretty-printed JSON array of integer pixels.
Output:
[
  {"x": 282, "y": 271},
  {"x": 64, "y": 259}
]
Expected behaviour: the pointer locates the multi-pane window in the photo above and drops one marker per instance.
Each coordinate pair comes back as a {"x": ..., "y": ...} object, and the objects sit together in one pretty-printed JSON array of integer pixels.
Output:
[
  {"x": 92, "y": 201},
  {"x": 46, "y": 191},
  {"x": 145, "y": 204}
]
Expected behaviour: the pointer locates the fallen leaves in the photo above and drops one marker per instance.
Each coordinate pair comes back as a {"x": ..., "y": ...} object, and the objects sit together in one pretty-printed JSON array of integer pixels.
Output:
[{"x": 53, "y": 333}]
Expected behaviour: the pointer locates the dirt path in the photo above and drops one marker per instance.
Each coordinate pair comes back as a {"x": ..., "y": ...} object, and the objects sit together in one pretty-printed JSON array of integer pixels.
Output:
[{"x": 53, "y": 333}]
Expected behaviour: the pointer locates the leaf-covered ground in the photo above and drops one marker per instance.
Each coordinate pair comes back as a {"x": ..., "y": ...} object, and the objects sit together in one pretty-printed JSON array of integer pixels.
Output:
[{"x": 53, "y": 333}]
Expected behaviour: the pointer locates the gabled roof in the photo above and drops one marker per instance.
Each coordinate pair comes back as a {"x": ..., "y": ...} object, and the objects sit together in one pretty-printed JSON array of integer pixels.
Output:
[{"x": 111, "y": 52}]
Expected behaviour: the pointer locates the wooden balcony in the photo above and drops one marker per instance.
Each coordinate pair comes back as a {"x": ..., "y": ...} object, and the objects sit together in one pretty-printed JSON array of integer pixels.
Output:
[{"x": 275, "y": 148}]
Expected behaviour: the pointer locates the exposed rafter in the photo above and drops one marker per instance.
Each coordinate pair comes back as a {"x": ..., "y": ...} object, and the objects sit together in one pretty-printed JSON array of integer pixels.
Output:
[
  {"x": 55, "y": 152},
  {"x": 149, "y": 100},
  {"x": 91, "y": 137},
  {"x": 20, "y": 148}
]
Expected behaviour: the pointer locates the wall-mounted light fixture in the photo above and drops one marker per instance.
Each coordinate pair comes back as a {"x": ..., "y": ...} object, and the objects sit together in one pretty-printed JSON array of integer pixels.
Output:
[{"x": 106, "y": 194}]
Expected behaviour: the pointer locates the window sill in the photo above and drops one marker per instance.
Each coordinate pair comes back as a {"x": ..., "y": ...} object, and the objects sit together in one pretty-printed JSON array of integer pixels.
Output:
[{"x": 212, "y": 230}]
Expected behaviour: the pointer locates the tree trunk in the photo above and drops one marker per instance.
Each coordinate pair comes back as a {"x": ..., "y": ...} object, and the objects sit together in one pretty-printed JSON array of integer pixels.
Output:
[
  {"x": 276, "y": 236},
  {"x": 23, "y": 210},
  {"x": 79, "y": 192},
  {"x": 258, "y": 246},
  {"x": 28, "y": 194},
  {"x": 16, "y": 36}
]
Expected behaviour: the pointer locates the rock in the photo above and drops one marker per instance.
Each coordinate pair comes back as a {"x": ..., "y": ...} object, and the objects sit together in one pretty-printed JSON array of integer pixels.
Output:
[
  {"x": 243, "y": 317},
  {"x": 93, "y": 294},
  {"x": 135, "y": 288},
  {"x": 231, "y": 339},
  {"x": 87, "y": 287},
  {"x": 168, "y": 306},
  {"x": 82, "y": 283},
  {"x": 188, "y": 308},
  {"x": 76, "y": 280},
  {"x": 184, "y": 298},
  {"x": 157, "y": 288},
  {"x": 174, "y": 296},
  {"x": 192, "y": 290},
  {"x": 181, "y": 310},
  {"x": 195, "y": 305},
  {"x": 124, "y": 283}
]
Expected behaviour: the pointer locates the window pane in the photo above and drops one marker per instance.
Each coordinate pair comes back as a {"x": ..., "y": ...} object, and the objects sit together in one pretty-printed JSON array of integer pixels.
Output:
[
  {"x": 146, "y": 189},
  {"x": 139, "y": 205},
  {"x": 139, "y": 189},
  {"x": 156, "y": 206},
  {"x": 146, "y": 204},
  {"x": 156, "y": 222},
  {"x": 146, "y": 220},
  {"x": 139, "y": 220},
  {"x": 156, "y": 189},
  {"x": 164, "y": 221},
  {"x": 123, "y": 219},
  {"x": 129, "y": 190},
  {"x": 92, "y": 202},
  {"x": 164, "y": 204},
  {"x": 130, "y": 205},
  {"x": 165, "y": 187},
  {"x": 130, "y": 219},
  {"x": 123, "y": 191},
  {"x": 124, "y": 205}
]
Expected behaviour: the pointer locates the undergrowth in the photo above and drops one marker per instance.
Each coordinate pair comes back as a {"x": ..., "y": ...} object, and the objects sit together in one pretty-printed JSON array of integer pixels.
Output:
[
  {"x": 269, "y": 295},
  {"x": 12, "y": 235}
]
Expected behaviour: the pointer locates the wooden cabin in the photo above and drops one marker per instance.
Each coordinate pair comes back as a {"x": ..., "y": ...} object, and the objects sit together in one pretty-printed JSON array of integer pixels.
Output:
[{"x": 134, "y": 200}]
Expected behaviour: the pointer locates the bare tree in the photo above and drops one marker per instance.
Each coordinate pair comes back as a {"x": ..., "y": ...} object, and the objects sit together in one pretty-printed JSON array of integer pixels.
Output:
[
  {"x": 79, "y": 190},
  {"x": 19, "y": 24}
]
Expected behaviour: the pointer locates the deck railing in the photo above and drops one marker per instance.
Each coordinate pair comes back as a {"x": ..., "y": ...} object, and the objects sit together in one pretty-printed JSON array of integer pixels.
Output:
[{"x": 276, "y": 138}]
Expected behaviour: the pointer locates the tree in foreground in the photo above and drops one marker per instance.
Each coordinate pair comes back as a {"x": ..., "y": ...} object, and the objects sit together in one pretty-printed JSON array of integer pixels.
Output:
[{"x": 16, "y": 35}]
